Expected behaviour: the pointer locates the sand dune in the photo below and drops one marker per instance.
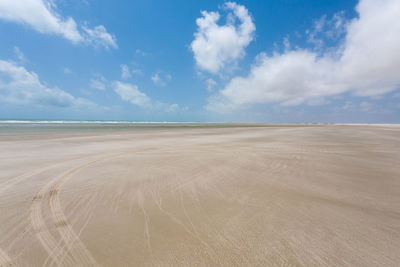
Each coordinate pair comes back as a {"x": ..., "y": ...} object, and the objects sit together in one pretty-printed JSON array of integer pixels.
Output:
[{"x": 201, "y": 196}]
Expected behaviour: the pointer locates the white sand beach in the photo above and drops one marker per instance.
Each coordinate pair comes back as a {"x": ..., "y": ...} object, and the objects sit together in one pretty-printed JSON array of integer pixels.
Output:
[{"x": 303, "y": 195}]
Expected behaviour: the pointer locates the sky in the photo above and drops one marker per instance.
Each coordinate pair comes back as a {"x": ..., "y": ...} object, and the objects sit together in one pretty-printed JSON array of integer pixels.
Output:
[{"x": 332, "y": 61}]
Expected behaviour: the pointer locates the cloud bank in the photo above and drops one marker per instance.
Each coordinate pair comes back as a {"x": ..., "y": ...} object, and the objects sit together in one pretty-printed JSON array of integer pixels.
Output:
[
  {"x": 41, "y": 15},
  {"x": 216, "y": 45},
  {"x": 366, "y": 63}
]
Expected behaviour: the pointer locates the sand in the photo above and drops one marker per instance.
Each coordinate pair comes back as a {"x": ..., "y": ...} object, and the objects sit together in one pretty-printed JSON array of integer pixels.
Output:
[{"x": 305, "y": 195}]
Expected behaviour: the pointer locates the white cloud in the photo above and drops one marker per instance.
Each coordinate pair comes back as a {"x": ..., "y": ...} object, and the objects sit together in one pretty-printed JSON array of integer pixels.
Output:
[
  {"x": 169, "y": 108},
  {"x": 19, "y": 55},
  {"x": 125, "y": 72},
  {"x": 98, "y": 36},
  {"x": 155, "y": 78},
  {"x": 370, "y": 62},
  {"x": 42, "y": 17},
  {"x": 99, "y": 83},
  {"x": 215, "y": 46},
  {"x": 327, "y": 29},
  {"x": 161, "y": 79},
  {"x": 130, "y": 92},
  {"x": 286, "y": 43},
  {"x": 210, "y": 84},
  {"x": 21, "y": 87},
  {"x": 366, "y": 64}
]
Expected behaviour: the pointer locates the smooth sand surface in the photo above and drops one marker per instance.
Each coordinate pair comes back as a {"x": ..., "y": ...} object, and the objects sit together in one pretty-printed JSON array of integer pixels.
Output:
[{"x": 201, "y": 196}]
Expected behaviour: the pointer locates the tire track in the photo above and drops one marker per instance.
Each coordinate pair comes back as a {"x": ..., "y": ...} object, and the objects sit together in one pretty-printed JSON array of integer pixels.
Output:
[
  {"x": 179, "y": 222},
  {"x": 48, "y": 242},
  {"x": 73, "y": 245},
  {"x": 14, "y": 180},
  {"x": 49, "y": 261},
  {"x": 5, "y": 260},
  {"x": 58, "y": 250},
  {"x": 53, "y": 247},
  {"x": 146, "y": 220}
]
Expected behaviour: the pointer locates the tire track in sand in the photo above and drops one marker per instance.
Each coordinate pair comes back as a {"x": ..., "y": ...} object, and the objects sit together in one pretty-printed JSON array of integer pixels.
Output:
[
  {"x": 14, "y": 180},
  {"x": 58, "y": 253},
  {"x": 73, "y": 245},
  {"x": 49, "y": 261},
  {"x": 5, "y": 260},
  {"x": 47, "y": 240}
]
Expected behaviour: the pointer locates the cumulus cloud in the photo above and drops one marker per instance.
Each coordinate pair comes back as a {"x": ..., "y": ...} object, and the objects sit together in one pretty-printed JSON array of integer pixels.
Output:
[
  {"x": 42, "y": 17},
  {"x": 216, "y": 45},
  {"x": 125, "y": 72},
  {"x": 98, "y": 36},
  {"x": 19, "y": 86},
  {"x": 131, "y": 93},
  {"x": 366, "y": 63}
]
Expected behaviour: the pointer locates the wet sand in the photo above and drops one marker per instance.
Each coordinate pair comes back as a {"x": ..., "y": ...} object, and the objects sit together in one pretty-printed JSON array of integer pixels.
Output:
[{"x": 200, "y": 195}]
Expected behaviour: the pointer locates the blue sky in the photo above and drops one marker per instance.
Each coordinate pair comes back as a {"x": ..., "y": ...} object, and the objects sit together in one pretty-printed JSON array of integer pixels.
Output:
[{"x": 267, "y": 61}]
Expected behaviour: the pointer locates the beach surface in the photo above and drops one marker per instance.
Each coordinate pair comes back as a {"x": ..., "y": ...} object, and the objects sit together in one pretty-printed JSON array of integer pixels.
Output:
[{"x": 199, "y": 195}]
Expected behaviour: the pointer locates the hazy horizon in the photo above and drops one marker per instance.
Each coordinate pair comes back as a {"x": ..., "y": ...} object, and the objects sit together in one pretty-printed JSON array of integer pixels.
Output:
[{"x": 44, "y": 121}]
